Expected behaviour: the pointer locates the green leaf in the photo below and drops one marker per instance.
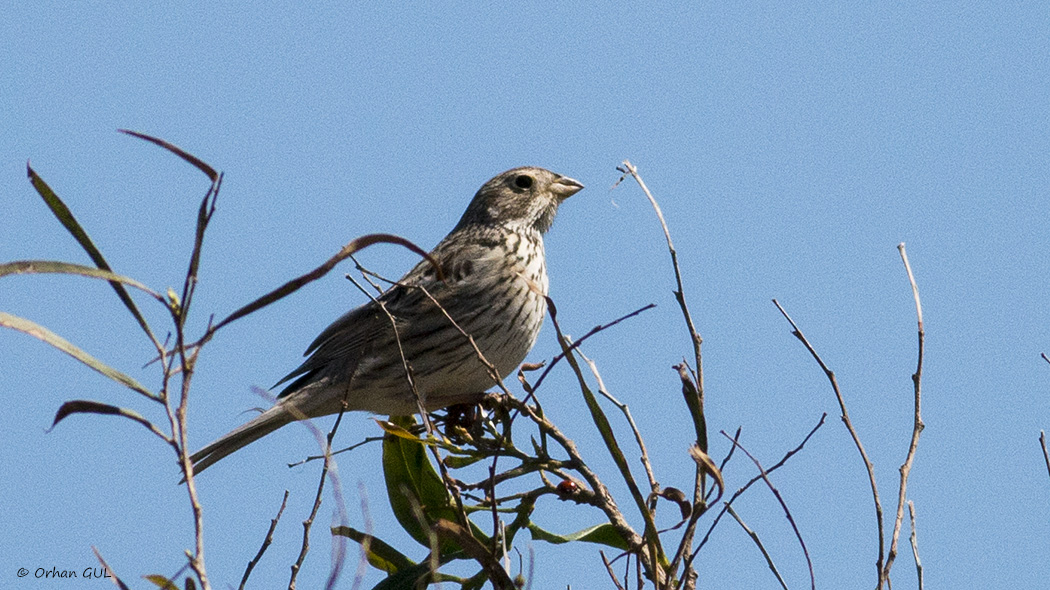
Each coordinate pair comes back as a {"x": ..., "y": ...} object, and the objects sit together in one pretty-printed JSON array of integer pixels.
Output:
[
  {"x": 161, "y": 582},
  {"x": 81, "y": 406},
  {"x": 193, "y": 160},
  {"x": 65, "y": 217},
  {"x": 410, "y": 578},
  {"x": 603, "y": 534},
  {"x": 380, "y": 555},
  {"x": 68, "y": 268},
  {"x": 412, "y": 483},
  {"x": 461, "y": 461},
  {"x": 37, "y": 331}
]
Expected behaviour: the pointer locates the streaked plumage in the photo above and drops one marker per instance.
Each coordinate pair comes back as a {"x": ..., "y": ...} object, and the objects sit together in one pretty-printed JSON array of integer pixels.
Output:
[{"x": 493, "y": 265}]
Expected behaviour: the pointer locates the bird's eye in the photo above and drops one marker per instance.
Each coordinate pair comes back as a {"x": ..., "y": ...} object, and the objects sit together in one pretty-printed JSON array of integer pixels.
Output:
[{"x": 523, "y": 181}]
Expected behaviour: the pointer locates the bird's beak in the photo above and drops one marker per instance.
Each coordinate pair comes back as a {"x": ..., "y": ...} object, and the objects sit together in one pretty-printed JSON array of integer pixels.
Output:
[{"x": 565, "y": 187}]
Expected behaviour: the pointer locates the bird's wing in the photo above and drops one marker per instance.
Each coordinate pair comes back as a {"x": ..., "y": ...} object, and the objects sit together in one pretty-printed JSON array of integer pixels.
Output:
[
  {"x": 344, "y": 342},
  {"x": 348, "y": 339}
]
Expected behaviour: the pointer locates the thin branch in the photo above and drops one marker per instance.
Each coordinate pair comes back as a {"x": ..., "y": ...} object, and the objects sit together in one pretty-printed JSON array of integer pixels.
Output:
[
  {"x": 266, "y": 542},
  {"x": 447, "y": 480},
  {"x": 652, "y": 539},
  {"x": 328, "y": 471},
  {"x": 917, "y": 424},
  {"x": 577, "y": 343},
  {"x": 732, "y": 449},
  {"x": 787, "y": 513},
  {"x": 753, "y": 480},
  {"x": 361, "y": 443},
  {"x": 604, "y": 499},
  {"x": 628, "y": 168},
  {"x": 915, "y": 543},
  {"x": 179, "y": 311},
  {"x": 1042, "y": 443},
  {"x": 630, "y": 420},
  {"x": 797, "y": 333},
  {"x": 105, "y": 566},
  {"x": 612, "y": 574},
  {"x": 758, "y": 542}
]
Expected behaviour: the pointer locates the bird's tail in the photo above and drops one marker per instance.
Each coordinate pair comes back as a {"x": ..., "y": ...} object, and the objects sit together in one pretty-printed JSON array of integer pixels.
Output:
[{"x": 241, "y": 436}]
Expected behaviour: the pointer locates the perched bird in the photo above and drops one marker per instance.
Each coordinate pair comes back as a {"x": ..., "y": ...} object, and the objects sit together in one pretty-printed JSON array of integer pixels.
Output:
[{"x": 493, "y": 285}]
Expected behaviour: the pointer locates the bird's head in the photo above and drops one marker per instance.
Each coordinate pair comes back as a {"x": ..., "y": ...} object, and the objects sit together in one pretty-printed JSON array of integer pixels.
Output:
[{"x": 521, "y": 198}]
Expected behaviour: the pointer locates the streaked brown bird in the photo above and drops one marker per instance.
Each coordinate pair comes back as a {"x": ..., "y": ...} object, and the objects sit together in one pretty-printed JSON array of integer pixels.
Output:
[{"x": 495, "y": 280}]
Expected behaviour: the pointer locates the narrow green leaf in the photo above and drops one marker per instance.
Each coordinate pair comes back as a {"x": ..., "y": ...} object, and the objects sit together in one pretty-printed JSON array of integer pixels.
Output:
[
  {"x": 404, "y": 579},
  {"x": 196, "y": 162},
  {"x": 68, "y": 268},
  {"x": 602, "y": 534},
  {"x": 80, "y": 406},
  {"x": 161, "y": 582},
  {"x": 398, "y": 431},
  {"x": 354, "y": 246},
  {"x": 416, "y": 577},
  {"x": 65, "y": 217},
  {"x": 461, "y": 461},
  {"x": 37, "y": 331},
  {"x": 380, "y": 555}
]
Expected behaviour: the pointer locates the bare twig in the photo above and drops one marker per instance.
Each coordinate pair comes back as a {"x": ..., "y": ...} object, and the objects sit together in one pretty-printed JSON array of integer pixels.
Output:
[
  {"x": 915, "y": 543},
  {"x": 753, "y": 480},
  {"x": 652, "y": 539},
  {"x": 628, "y": 168},
  {"x": 450, "y": 484},
  {"x": 604, "y": 499},
  {"x": 1042, "y": 443},
  {"x": 612, "y": 574},
  {"x": 917, "y": 426},
  {"x": 630, "y": 420},
  {"x": 328, "y": 471},
  {"x": 576, "y": 344},
  {"x": 783, "y": 505},
  {"x": 265, "y": 544},
  {"x": 732, "y": 449},
  {"x": 797, "y": 333},
  {"x": 761, "y": 547},
  {"x": 365, "y": 441},
  {"x": 696, "y": 406},
  {"x": 187, "y": 363}
]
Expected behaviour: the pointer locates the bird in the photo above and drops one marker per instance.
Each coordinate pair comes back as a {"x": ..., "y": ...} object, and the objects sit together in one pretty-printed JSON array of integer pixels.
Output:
[{"x": 492, "y": 286}]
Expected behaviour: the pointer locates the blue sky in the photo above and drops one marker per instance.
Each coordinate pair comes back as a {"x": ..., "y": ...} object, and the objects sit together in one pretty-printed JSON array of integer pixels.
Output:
[{"x": 791, "y": 146}]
